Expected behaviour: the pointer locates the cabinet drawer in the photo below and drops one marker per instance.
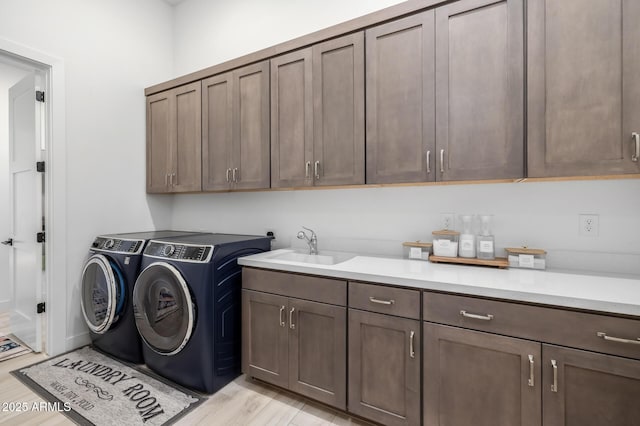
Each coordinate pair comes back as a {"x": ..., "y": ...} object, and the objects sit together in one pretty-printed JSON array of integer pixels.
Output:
[
  {"x": 386, "y": 300},
  {"x": 551, "y": 325},
  {"x": 318, "y": 289}
]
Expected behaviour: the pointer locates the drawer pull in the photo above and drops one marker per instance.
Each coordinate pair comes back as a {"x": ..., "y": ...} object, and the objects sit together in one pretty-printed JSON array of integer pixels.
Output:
[
  {"x": 531, "y": 368},
  {"x": 281, "y": 312},
  {"x": 412, "y": 353},
  {"x": 382, "y": 302},
  {"x": 291, "y": 324},
  {"x": 487, "y": 317},
  {"x": 617, "y": 339},
  {"x": 554, "y": 385}
]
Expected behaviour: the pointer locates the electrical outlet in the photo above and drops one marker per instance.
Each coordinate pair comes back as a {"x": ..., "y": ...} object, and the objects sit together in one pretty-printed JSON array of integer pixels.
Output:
[
  {"x": 588, "y": 224},
  {"x": 447, "y": 220}
]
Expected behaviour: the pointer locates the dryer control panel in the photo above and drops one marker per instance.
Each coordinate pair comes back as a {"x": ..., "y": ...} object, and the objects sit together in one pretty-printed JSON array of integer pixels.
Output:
[
  {"x": 117, "y": 245},
  {"x": 182, "y": 252}
]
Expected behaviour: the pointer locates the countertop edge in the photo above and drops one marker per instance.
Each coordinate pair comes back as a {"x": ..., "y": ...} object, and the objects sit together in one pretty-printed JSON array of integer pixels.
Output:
[{"x": 596, "y": 306}]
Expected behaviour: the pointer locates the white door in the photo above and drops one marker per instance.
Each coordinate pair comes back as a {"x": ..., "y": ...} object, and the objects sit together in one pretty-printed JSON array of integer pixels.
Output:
[{"x": 26, "y": 262}]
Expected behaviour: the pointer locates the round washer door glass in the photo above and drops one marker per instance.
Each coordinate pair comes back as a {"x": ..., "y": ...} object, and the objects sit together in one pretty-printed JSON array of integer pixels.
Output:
[
  {"x": 163, "y": 308},
  {"x": 101, "y": 293}
]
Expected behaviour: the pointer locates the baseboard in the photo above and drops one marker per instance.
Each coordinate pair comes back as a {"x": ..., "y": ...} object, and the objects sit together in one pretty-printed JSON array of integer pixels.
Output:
[{"x": 77, "y": 341}]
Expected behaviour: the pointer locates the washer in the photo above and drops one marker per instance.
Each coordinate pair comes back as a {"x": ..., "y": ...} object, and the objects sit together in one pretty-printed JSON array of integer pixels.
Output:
[
  {"x": 108, "y": 276},
  {"x": 186, "y": 302}
]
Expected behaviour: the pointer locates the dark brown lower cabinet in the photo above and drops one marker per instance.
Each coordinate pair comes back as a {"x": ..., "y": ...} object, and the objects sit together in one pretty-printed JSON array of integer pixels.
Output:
[
  {"x": 481, "y": 379},
  {"x": 582, "y": 388},
  {"x": 296, "y": 344},
  {"x": 318, "y": 351},
  {"x": 384, "y": 368},
  {"x": 265, "y": 337}
]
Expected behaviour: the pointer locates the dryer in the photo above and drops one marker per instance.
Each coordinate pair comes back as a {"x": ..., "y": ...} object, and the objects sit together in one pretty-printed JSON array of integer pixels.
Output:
[
  {"x": 108, "y": 276},
  {"x": 187, "y": 304}
]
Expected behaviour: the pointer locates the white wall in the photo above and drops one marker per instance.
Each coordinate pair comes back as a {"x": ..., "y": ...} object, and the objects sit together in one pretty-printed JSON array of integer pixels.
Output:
[
  {"x": 209, "y": 32},
  {"x": 9, "y": 75},
  {"x": 540, "y": 215},
  {"x": 111, "y": 50}
]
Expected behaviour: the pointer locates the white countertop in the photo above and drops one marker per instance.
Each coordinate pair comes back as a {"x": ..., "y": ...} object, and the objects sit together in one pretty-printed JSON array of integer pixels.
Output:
[{"x": 582, "y": 291}]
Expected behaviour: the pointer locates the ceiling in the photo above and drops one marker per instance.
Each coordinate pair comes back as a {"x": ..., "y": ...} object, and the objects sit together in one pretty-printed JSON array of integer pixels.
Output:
[{"x": 173, "y": 2}]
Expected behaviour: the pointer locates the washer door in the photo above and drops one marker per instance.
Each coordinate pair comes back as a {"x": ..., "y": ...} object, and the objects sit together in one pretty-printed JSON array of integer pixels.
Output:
[
  {"x": 103, "y": 293},
  {"x": 163, "y": 308}
]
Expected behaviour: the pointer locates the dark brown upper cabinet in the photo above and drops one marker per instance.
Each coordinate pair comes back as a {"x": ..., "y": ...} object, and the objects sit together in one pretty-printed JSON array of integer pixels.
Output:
[
  {"x": 400, "y": 100},
  {"x": 235, "y": 129},
  {"x": 583, "y": 87},
  {"x": 174, "y": 140},
  {"x": 317, "y": 115},
  {"x": 479, "y": 90},
  {"x": 445, "y": 94}
]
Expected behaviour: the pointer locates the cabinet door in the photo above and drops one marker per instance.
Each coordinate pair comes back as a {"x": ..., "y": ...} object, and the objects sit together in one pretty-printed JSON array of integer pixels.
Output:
[
  {"x": 318, "y": 351},
  {"x": 478, "y": 378},
  {"x": 589, "y": 389},
  {"x": 480, "y": 90},
  {"x": 160, "y": 123},
  {"x": 400, "y": 78},
  {"x": 338, "y": 96},
  {"x": 187, "y": 149},
  {"x": 291, "y": 120},
  {"x": 250, "y": 161},
  {"x": 265, "y": 352},
  {"x": 384, "y": 368},
  {"x": 216, "y": 132},
  {"x": 583, "y": 86}
]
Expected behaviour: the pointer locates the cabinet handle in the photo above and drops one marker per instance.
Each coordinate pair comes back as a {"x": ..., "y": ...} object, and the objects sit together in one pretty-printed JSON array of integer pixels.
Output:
[
  {"x": 442, "y": 161},
  {"x": 281, "y": 319},
  {"x": 636, "y": 138},
  {"x": 228, "y": 172},
  {"x": 531, "y": 371},
  {"x": 466, "y": 314},
  {"x": 554, "y": 385},
  {"x": 428, "y": 162},
  {"x": 617, "y": 339},
  {"x": 166, "y": 179},
  {"x": 173, "y": 175},
  {"x": 307, "y": 169},
  {"x": 382, "y": 302},
  {"x": 235, "y": 174},
  {"x": 291, "y": 324},
  {"x": 412, "y": 353},
  {"x": 316, "y": 166}
]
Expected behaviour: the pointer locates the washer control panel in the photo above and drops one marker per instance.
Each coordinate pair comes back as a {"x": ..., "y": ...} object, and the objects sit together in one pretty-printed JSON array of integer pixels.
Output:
[
  {"x": 117, "y": 245},
  {"x": 183, "y": 252}
]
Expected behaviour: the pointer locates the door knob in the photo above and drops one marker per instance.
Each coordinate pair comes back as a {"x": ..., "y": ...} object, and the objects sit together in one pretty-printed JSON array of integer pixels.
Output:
[{"x": 9, "y": 242}]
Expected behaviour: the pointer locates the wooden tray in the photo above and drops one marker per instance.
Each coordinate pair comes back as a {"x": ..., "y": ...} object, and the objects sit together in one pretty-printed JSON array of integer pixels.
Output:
[{"x": 498, "y": 262}]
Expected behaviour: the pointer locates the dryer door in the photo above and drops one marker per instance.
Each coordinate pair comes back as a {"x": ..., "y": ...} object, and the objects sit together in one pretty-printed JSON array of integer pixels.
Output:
[
  {"x": 103, "y": 293},
  {"x": 163, "y": 308}
]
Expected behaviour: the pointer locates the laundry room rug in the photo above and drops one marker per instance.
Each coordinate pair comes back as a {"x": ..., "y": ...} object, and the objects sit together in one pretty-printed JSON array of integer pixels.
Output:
[
  {"x": 94, "y": 389},
  {"x": 10, "y": 347}
]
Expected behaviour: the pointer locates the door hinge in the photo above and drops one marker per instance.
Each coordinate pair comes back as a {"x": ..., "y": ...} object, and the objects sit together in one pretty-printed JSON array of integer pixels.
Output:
[
  {"x": 40, "y": 166},
  {"x": 40, "y": 308},
  {"x": 40, "y": 237},
  {"x": 39, "y": 95}
]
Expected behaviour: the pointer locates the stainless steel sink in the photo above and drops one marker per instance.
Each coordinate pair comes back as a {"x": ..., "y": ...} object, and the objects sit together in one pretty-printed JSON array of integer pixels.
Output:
[{"x": 323, "y": 258}]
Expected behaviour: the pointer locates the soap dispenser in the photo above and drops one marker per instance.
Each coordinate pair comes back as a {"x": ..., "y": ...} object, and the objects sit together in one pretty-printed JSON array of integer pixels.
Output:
[
  {"x": 486, "y": 248},
  {"x": 467, "y": 238}
]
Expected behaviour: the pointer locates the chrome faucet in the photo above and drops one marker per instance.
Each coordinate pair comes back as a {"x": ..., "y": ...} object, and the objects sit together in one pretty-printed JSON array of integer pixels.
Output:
[{"x": 313, "y": 241}]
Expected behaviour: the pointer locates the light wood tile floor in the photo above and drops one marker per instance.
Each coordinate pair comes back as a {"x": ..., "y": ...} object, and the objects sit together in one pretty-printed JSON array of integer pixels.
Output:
[{"x": 241, "y": 402}]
